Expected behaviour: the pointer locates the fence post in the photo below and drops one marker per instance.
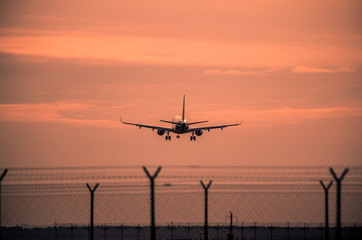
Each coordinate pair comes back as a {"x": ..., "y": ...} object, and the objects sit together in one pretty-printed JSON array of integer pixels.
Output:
[
  {"x": 1, "y": 179},
  {"x": 338, "y": 210},
  {"x": 152, "y": 185},
  {"x": 71, "y": 231},
  {"x": 206, "y": 227},
  {"x": 254, "y": 230},
  {"x": 326, "y": 188},
  {"x": 171, "y": 230},
  {"x": 217, "y": 231},
  {"x": 91, "y": 237},
  {"x": 230, "y": 234},
  {"x": 105, "y": 228},
  {"x": 321, "y": 231},
  {"x": 242, "y": 230},
  {"x": 122, "y": 228},
  {"x": 188, "y": 231},
  {"x": 55, "y": 230},
  {"x": 138, "y": 231}
]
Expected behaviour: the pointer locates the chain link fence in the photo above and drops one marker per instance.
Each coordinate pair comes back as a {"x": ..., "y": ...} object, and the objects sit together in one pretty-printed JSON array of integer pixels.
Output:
[{"x": 265, "y": 202}]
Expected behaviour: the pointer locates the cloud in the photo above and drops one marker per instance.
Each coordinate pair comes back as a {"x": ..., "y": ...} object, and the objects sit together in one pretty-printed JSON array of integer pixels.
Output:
[
  {"x": 124, "y": 46},
  {"x": 40, "y": 17},
  {"x": 300, "y": 115},
  {"x": 61, "y": 112},
  {"x": 297, "y": 69},
  {"x": 231, "y": 72},
  {"x": 99, "y": 116},
  {"x": 266, "y": 118},
  {"x": 310, "y": 69}
]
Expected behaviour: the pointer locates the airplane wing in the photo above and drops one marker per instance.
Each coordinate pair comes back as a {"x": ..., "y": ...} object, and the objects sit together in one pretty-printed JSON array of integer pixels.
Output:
[
  {"x": 147, "y": 126},
  {"x": 212, "y": 127}
]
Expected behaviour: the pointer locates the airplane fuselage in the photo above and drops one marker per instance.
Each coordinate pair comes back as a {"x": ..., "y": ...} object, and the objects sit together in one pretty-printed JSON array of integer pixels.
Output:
[{"x": 181, "y": 126}]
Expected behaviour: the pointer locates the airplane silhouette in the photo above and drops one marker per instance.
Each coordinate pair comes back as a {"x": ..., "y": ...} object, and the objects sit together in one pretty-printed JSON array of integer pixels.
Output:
[{"x": 180, "y": 126}]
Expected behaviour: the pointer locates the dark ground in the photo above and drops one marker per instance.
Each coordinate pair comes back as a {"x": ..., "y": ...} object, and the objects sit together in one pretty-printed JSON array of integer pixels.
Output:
[{"x": 179, "y": 232}]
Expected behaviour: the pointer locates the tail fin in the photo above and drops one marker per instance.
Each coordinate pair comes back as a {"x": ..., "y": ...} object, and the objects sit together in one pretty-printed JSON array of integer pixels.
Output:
[{"x": 183, "y": 110}]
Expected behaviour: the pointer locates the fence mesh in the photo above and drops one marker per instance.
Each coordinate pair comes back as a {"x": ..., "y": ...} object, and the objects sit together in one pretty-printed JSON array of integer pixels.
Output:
[{"x": 266, "y": 202}]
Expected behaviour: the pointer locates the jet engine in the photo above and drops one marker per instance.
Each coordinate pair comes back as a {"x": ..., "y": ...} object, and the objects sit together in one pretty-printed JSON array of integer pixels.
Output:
[
  {"x": 160, "y": 132},
  {"x": 198, "y": 132}
]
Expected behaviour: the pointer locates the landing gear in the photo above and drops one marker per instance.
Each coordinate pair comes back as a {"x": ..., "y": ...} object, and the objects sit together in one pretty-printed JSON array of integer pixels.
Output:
[
  {"x": 168, "y": 138},
  {"x": 193, "y": 137}
]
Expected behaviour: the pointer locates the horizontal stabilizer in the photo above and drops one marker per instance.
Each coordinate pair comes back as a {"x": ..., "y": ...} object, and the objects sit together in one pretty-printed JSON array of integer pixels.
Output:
[
  {"x": 169, "y": 122},
  {"x": 197, "y": 122}
]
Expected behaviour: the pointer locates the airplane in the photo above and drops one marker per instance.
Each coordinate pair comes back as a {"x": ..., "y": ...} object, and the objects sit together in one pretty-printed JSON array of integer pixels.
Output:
[{"x": 180, "y": 126}]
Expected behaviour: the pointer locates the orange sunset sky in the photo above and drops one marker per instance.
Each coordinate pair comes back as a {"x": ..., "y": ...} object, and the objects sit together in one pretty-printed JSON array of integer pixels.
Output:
[{"x": 290, "y": 69}]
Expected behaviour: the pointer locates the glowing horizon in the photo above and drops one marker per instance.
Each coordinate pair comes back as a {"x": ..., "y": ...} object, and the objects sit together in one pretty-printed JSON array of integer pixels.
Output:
[{"x": 291, "y": 70}]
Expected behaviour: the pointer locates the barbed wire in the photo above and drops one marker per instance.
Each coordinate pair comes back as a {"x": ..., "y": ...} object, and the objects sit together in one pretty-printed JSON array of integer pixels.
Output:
[
  {"x": 217, "y": 167},
  {"x": 70, "y": 188},
  {"x": 178, "y": 173}
]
